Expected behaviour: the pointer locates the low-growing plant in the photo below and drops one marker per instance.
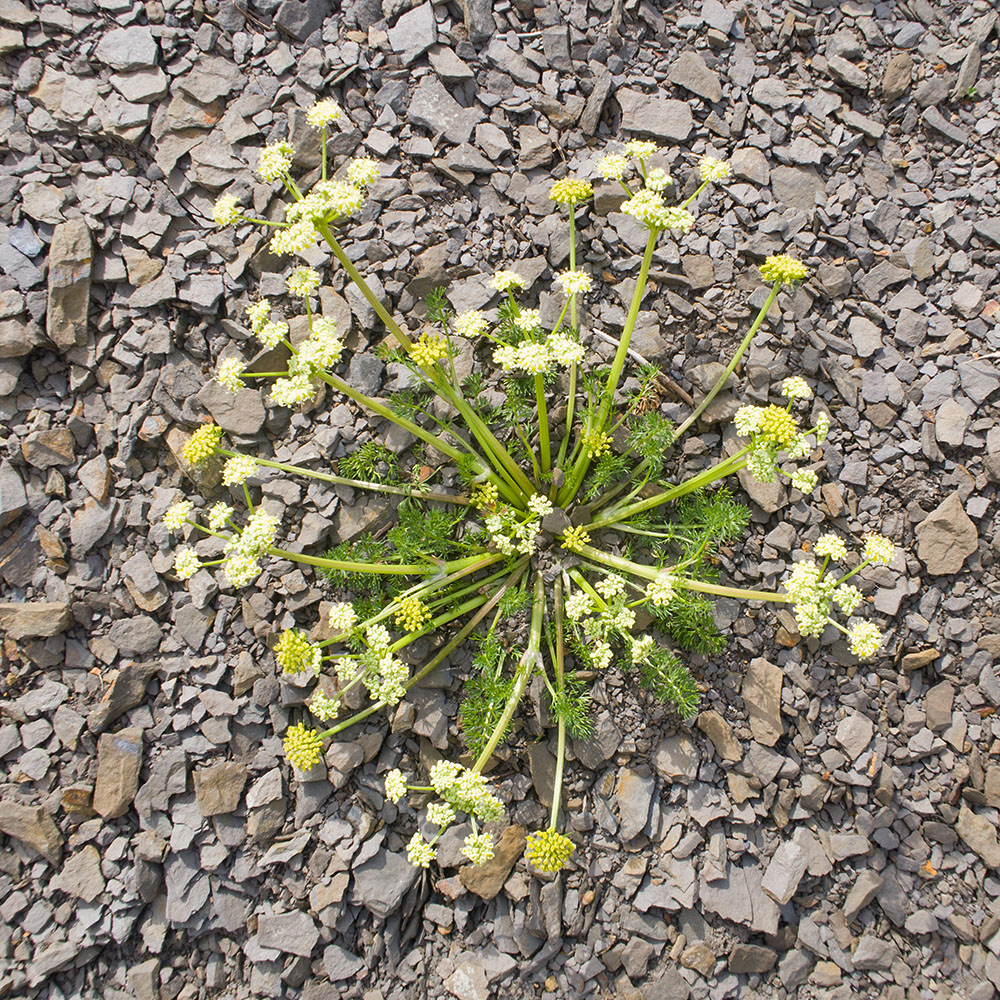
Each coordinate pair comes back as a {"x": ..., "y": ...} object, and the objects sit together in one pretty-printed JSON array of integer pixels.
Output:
[{"x": 549, "y": 527}]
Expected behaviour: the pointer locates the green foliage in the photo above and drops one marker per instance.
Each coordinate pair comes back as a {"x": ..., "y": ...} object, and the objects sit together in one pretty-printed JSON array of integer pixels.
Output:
[
  {"x": 486, "y": 693},
  {"x": 572, "y": 705},
  {"x": 372, "y": 462},
  {"x": 409, "y": 402},
  {"x": 689, "y": 620},
  {"x": 439, "y": 309},
  {"x": 665, "y": 677},
  {"x": 650, "y": 435},
  {"x": 607, "y": 471},
  {"x": 425, "y": 531},
  {"x": 518, "y": 407}
]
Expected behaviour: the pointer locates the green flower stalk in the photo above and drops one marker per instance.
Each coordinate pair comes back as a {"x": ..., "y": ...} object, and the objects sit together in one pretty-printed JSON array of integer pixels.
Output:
[{"x": 544, "y": 519}]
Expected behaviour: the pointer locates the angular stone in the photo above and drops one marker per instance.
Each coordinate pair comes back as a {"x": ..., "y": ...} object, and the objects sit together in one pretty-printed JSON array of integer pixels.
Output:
[
  {"x": 292, "y": 933},
  {"x": 752, "y": 958},
  {"x": 487, "y": 879},
  {"x": 238, "y": 413},
  {"x": 896, "y": 80},
  {"x": 751, "y": 164},
  {"x": 648, "y": 114},
  {"x": 950, "y": 423},
  {"x": 119, "y": 759},
  {"x": 81, "y": 876},
  {"x": 796, "y": 187},
  {"x": 219, "y": 788},
  {"x": 33, "y": 826},
  {"x": 854, "y": 733},
  {"x": 784, "y": 872},
  {"x": 938, "y": 704},
  {"x": 690, "y": 72},
  {"x": 13, "y": 498},
  {"x": 71, "y": 258},
  {"x": 381, "y": 882},
  {"x": 135, "y": 636},
  {"x": 715, "y": 727},
  {"x": 34, "y": 620},
  {"x": 127, "y": 48},
  {"x": 339, "y": 963},
  {"x": 738, "y": 897},
  {"x": 762, "y": 699},
  {"x": 700, "y": 958},
  {"x": 873, "y": 953},
  {"x": 49, "y": 448},
  {"x": 126, "y": 691},
  {"x": 864, "y": 890},
  {"x": 413, "y": 33},
  {"x": 468, "y": 982},
  {"x": 946, "y": 537},
  {"x": 635, "y": 795},
  {"x": 677, "y": 759},
  {"x": 433, "y": 108},
  {"x": 980, "y": 834}
]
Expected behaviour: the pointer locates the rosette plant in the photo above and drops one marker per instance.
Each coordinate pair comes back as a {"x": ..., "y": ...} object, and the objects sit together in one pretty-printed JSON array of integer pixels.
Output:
[{"x": 544, "y": 522}]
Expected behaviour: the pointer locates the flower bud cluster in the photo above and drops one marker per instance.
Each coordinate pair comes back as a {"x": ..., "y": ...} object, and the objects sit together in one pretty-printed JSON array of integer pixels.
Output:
[{"x": 509, "y": 530}]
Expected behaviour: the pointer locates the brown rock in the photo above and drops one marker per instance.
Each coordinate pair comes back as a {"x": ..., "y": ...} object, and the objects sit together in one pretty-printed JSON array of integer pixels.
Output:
[
  {"x": 980, "y": 834},
  {"x": 125, "y": 692},
  {"x": 219, "y": 788},
  {"x": 487, "y": 879},
  {"x": 33, "y": 826},
  {"x": 923, "y": 658},
  {"x": 45, "y": 449},
  {"x": 715, "y": 727},
  {"x": 762, "y": 698},
  {"x": 119, "y": 759},
  {"x": 35, "y": 620},
  {"x": 81, "y": 876},
  {"x": 96, "y": 478},
  {"x": 946, "y": 537},
  {"x": 71, "y": 257}
]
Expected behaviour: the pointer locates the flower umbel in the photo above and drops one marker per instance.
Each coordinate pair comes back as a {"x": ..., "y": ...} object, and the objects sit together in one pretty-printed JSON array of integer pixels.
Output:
[
  {"x": 548, "y": 850},
  {"x": 570, "y": 191},
  {"x": 783, "y": 270},
  {"x": 303, "y": 747},
  {"x": 202, "y": 444}
]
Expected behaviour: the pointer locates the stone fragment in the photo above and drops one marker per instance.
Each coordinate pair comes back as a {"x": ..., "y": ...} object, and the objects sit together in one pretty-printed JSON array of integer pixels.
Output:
[
  {"x": 752, "y": 958},
  {"x": 300, "y": 18},
  {"x": 946, "y": 537},
  {"x": 864, "y": 890},
  {"x": 135, "y": 636},
  {"x": 381, "y": 882},
  {"x": 938, "y": 704},
  {"x": 648, "y": 114},
  {"x": 487, "y": 879},
  {"x": 81, "y": 875},
  {"x": 796, "y": 187},
  {"x": 751, "y": 164},
  {"x": 413, "y": 33},
  {"x": 591, "y": 114},
  {"x": 13, "y": 498},
  {"x": 34, "y": 620},
  {"x": 784, "y": 872},
  {"x": 690, "y": 72},
  {"x": 219, "y": 788},
  {"x": 979, "y": 834},
  {"x": 340, "y": 964},
  {"x": 237, "y": 413},
  {"x": 700, "y": 958},
  {"x": 126, "y": 691},
  {"x": 715, "y": 727},
  {"x": 738, "y": 897},
  {"x": 127, "y": 48},
  {"x": 48, "y": 448},
  {"x": 762, "y": 698},
  {"x": 854, "y": 733},
  {"x": 677, "y": 759},
  {"x": 71, "y": 258},
  {"x": 33, "y": 826},
  {"x": 918, "y": 660},
  {"x": 873, "y": 953},
  {"x": 937, "y": 121},
  {"x": 635, "y": 795},
  {"x": 950, "y": 423},
  {"x": 292, "y": 933},
  {"x": 432, "y": 107},
  {"x": 896, "y": 80},
  {"x": 479, "y": 22},
  {"x": 468, "y": 982},
  {"x": 119, "y": 759}
]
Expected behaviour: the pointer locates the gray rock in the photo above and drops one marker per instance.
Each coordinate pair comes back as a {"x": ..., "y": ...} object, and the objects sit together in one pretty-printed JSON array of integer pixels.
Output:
[
  {"x": 690, "y": 72},
  {"x": 119, "y": 759},
  {"x": 946, "y": 537},
  {"x": 601, "y": 745},
  {"x": 34, "y": 620},
  {"x": 47, "y": 449},
  {"x": 648, "y": 114},
  {"x": 864, "y": 890},
  {"x": 761, "y": 693},
  {"x": 873, "y": 953},
  {"x": 479, "y": 20},
  {"x": 81, "y": 875},
  {"x": 796, "y": 187},
  {"x": 677, "y": 759},
  {"x": 433, "y": 108},
  {"x": 784, "y": 872},
  {"x": 236, "y": 412},
  {"x": 128, "y": 48},
  {"x": 896, "y": 81},
  {"x": 854, "y": 733},
  {"x": 219, "y": 788},
  {"x": 771, "y": 92},
  {"x": 413, "y": 33},
  {"x": 752, "y": 958},
  {"x": 950, "y": 423},
  {"x": 292, "y": 933},
  {"x": 751, "y": 164},
  {"x": 300, "y": 19},
  {"x": 634, "y": 794},
  {"x": 846, "y": 72},
  {"x": 715, "y": 727},
  {"x": 126, "y": 691},
  {"x": 33, "y": 826},
  {"x": 738, "y": 897},
  {"x": 794, "y": 968},
  {"x": 135, "y": 636},
  {"x": 939, "y": 123},
  {"x": 591, "y": 114},
  {"x": 866, "y": 335},
  {"x": 381, "y": 882},
  {"x": 71, "y": 258},
  {"x": 210, "y": 78},
  {"x": 979, "y": 834},
  {"x": 338, "y": 963}
]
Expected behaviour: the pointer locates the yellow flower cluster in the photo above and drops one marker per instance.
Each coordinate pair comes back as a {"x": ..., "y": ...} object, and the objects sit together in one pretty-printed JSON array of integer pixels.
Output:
[
  {"x": 295, "y": 653},
  {"x": 412, "y": 614},
  {"x": 428, "y": 349},
  {"x": 548, "y": 851},
  {"x": 778, "y": 426},
  {"x": 484, "y": 495},
  {"x": 783, "y": 270},
  {"x": 571, "y": 190},
  {"x": 574, "y": 537},
  {"x": 202, "y": 444},
  {"x": 596, "y": 443},
  {"x": 303, "y": 747}
]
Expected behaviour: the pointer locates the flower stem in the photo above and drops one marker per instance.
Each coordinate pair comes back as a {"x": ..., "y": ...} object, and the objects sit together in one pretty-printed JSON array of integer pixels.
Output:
[
  {"x": 387, "y": 569},
  {"x": 543, "y": 424},
  {"x": 558, "y": 666},
  {"x": 731, "y": 367}
]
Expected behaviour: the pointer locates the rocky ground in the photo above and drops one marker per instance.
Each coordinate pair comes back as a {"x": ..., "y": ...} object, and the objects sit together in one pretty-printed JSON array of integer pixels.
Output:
[{"x": 825, "y": 829}]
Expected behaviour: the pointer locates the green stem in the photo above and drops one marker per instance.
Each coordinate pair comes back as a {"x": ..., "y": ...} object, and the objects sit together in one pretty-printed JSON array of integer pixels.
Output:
[
  {"x": 387, "y": 569},
  {"x": 731, "y": 367},
  {"x": 543, "y": 423},
  {"x": 404, "y": 491},
  {"x": 560, "y": 687},
  {"x": 383, "y": 314},
  {"x": 525, "y": 668}
]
